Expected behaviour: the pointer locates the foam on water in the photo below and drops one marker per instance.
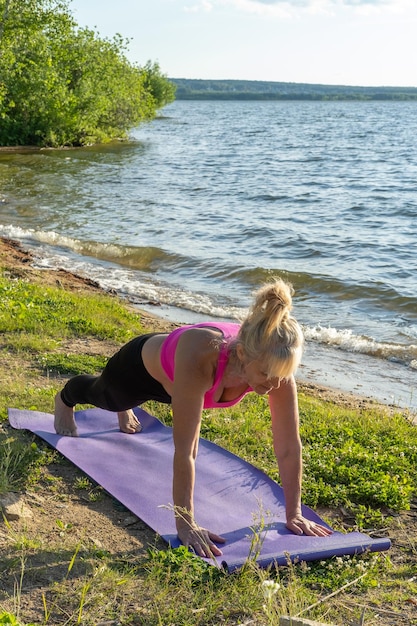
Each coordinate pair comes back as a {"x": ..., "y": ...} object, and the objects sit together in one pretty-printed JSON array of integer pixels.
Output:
[{"x": 347, "y": 340}]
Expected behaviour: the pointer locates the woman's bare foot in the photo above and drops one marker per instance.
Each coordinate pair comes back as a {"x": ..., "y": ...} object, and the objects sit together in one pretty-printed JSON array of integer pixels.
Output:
[
  {"x": 128, "y": 422},
  {"x": 64, "y": 421}
]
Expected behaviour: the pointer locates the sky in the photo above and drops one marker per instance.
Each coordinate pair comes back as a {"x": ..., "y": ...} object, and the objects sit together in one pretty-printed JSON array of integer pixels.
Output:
[{"x": 332, "y": 42}]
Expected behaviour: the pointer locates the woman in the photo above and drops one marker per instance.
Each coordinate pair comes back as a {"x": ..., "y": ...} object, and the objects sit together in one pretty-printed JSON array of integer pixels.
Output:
[{"x": 209, "y": 365}]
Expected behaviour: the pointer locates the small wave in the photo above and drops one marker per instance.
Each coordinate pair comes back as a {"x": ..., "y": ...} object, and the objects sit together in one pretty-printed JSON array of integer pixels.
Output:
[
  {"x": 267, "y": 197},
  {"x": 140, "y": 258},
  {"x": 346, "y": 340},
  {"x": 123, "y": 273}
]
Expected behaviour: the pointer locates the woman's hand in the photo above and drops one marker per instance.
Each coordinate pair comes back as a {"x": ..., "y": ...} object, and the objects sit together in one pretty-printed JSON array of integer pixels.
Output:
[
  {"x": 302, "y": 526},
  {"x": 200, "y": 540}
]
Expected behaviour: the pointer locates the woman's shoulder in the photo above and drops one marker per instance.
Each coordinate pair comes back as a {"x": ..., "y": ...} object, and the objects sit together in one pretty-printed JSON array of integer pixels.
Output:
[
  {"x": 225, "y": 330},
  {"x": 201, "y": 336}
]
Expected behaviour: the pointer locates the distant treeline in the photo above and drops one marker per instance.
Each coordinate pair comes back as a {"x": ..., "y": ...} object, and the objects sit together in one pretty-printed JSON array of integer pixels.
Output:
[{"x": 199, "y": 89}]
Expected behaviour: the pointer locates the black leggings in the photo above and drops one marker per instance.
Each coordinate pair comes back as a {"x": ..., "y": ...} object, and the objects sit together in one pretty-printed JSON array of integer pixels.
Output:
[{"x": 123, "y": 384}]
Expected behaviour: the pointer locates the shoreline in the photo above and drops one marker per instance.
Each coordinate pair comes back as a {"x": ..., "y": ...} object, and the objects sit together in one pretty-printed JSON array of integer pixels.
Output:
[{"x": 17, "y": 262}]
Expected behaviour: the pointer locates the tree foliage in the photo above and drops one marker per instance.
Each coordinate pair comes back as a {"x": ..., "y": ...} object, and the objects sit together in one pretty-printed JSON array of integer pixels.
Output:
[{"x": 65, "y": 85}]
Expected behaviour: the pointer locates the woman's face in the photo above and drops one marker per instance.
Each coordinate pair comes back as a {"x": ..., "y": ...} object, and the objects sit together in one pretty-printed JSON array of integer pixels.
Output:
[
  {"x": 258, "y": 379},
  {"x": 255, "y": 375}
]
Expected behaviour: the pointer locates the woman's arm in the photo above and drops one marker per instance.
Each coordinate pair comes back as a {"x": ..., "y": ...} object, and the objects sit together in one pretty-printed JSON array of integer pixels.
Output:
[
  {"x": 194, "y": 362},
  {"x": 288, "y": 451}
]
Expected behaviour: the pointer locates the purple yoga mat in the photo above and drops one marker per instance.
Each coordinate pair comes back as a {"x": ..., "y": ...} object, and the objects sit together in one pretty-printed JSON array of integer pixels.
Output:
[{"x": 231, "y": 495}]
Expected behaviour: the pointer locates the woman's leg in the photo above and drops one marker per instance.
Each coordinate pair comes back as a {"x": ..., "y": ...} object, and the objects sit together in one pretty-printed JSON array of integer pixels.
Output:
[
  {"x": 64, "y": 420},
  {"x": 66, "y": 425},
  {"x": 123, "y": 384}
]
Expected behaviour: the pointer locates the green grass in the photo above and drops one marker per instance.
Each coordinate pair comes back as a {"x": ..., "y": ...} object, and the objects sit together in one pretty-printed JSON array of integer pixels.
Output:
[
  {"x": 351, "y": 459},
  {"x": 71, "y": 364},
  {"x": 19, "y": 463},
  {"x": 50, "y": 313},
  {"x": 364, "y": 461},
  {"x": 365, "y": 458}
]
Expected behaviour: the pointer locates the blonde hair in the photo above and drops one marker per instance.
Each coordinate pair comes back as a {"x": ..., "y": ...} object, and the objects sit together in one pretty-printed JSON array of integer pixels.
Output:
[{"x": 270, "y": 334}]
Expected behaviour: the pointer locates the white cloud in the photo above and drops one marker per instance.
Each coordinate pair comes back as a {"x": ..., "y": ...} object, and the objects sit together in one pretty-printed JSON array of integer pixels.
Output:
[
  {"x": 202, "y": 6},
  {"x": 334, "y": 3},
  {"x": 314, "y": 6}
]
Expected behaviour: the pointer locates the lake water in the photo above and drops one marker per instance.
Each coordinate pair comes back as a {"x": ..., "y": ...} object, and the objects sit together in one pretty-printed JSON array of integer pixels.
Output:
[{"x": 211, "y": 199}]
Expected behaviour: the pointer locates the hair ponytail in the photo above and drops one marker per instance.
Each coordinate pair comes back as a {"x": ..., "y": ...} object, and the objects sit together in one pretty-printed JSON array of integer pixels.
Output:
[
  {"x": 272, "y": 306},
  {"x": 269, "y": 332}
]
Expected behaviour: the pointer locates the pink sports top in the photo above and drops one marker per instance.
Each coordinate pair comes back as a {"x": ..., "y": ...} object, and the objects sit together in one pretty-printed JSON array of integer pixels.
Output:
[{"x": 229, "y": 331}]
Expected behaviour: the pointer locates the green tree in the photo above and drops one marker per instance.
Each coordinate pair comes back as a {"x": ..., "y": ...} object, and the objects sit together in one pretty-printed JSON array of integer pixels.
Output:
[
  {"x": 62, "y": 85},
  {"x": 162, "y": 90}
]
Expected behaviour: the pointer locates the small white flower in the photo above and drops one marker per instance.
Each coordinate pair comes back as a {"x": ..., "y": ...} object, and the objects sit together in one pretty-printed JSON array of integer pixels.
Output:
[{"x": 270, "y": 588}]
